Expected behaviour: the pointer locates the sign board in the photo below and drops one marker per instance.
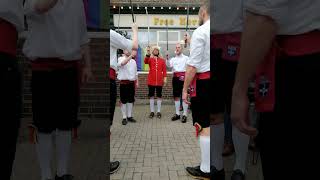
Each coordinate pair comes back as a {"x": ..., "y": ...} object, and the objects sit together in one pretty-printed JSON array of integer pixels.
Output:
[{"x": 156, "y": 21}]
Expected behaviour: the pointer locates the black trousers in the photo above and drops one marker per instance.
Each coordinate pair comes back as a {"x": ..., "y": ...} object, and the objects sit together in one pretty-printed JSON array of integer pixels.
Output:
[
  {"x": 201, "y": 104},
  {"x": 55, "y": 99},
  {"x": 127, "y": 92},
  {"x": 10, "y": 110},
  {"x": 113, "y": 98},
  {"x": 177, "y": 86},
  {"x": 153, "y": 89},
  {"x": 288, "y": 136}
]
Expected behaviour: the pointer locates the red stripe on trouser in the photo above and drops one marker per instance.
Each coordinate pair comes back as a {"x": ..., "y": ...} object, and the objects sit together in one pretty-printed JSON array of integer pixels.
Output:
[
  {"x": 193, "y": 85},
  {"x": 290, "y": 46}
]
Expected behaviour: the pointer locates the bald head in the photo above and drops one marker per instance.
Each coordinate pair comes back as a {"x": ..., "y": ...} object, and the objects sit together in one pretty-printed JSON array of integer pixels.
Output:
[
  {"x": 204, "y": 12},
  {"x": 179, "y": 49},
  {"x": 205, "y": 6}
]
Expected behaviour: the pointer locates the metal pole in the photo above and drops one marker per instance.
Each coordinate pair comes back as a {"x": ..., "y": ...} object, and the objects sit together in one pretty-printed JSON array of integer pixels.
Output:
[
  {"x": 132, "y": 11},
  {"x": 186, "y": 41},
  {"x": 148, "y": 25},
  {"x": 119, "y": 20},
  {"x": 167, "y": 35}
]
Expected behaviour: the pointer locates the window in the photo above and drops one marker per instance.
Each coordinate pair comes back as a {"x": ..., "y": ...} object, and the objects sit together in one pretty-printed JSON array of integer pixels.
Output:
[{"x": 159, "y": 38}]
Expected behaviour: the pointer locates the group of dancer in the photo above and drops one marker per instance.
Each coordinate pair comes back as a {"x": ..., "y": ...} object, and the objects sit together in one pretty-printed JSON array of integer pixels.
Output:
[
  {"x": 275, "y": 41},
  {"x": 187, "y": 71},
  {"x": 126, "y": 69}
]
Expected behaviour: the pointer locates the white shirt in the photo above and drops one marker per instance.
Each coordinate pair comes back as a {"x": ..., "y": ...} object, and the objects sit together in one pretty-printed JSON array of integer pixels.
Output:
[
  {"x": 228, "y": 16},
  {"x": 128, "y": 71},
  {"x": 117, "y": 42},
  {"x": 200, "y": 48},
  {"x": 59, "y": 33},
  {"x": 292, "y": 16},
  {"x": 178, "y": 63},
  {"x": 12, "y": 11}
]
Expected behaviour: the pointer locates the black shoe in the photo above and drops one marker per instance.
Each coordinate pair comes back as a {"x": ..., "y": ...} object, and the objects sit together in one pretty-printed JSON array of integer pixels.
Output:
[
  {"x": 196, "y": 173},
  {"x": 184, "y": 119},
  {"x": 114, "y": 167},
  {"x": 159, "y": 115},
  {"x": 64, "y": 177},
  {"x": 175, "y": 117},
  {"x": 151, "y": 115},
  {"x": 130, "y": 119},
  {"x": 237, "y": 175},
  {"x": 124, "y": 122},
  {"x": 217, "y": 175}
]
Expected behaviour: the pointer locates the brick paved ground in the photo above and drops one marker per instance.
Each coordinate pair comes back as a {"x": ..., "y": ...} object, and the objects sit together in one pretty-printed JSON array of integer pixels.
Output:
[
  {"x": 88, "y": 154},
  {"x": 159, "y": 149}
]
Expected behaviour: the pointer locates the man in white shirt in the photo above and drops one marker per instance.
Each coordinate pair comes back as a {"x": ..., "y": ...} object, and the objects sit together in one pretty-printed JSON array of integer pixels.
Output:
[
  {"x": 118, "y": 42},
  {"x": 286, "y": 93},
  {"x": 11, "y": 23},
  {"x": 128, "y": 77},
  {"x": 57, "y": 45},
  {"x": 178, "y": 65},
  {"x": 198, "y": 71}
]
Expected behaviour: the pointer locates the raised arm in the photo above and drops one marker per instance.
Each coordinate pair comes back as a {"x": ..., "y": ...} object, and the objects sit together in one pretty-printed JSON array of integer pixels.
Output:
[
  {"x": 125, "y": 61},
  {"x": 147, "y": 58},
  {"x": 259, "y": 32}
]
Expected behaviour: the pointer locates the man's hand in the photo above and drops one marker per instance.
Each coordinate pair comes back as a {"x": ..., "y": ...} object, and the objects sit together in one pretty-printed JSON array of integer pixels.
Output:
[
  {"x": 134, "y": 53},
  {"x": 185, "y": 96},
  {"x": 165, "y": 81},
  {"x": 187, "y": 38},
  {"x": 189, "y": 76},
  {"x": 167, "y": 55},
  {"x": 134, "y": 27},
  {"x": 148, "y": 50},
  {"x": 86, "y": 74},
  {"x": 239, "y": 112}
]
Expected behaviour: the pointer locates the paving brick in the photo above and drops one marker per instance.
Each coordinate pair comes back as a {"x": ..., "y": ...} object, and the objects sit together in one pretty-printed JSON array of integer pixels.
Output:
[
  {"x": 162, "y": 148},
  {"x": 137, "y": 176},
  {"x": 88, "y": 155}
]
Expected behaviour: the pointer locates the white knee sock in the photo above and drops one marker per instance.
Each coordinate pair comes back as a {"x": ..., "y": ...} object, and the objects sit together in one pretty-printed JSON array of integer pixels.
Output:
[
  {"x": 218, "y": 142},
  {"x": 159, "y": 104},
  {"x": 151, "y": 104},
  {"x": 185, "y": 109},
  {"x": 205, "y": 153},
  {"x": 240, "y": 142},
  {"x": 129, "y": 109},
  {"x": 63, "y": 143},
  {"x": 177, "y": 105},
  {"x": 124, "y": 111},
  {"x": 44, "y": 152}
]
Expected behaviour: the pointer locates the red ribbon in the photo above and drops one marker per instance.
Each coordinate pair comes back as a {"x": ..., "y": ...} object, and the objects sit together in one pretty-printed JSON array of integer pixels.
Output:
[{"x": 198, "y": 129}]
